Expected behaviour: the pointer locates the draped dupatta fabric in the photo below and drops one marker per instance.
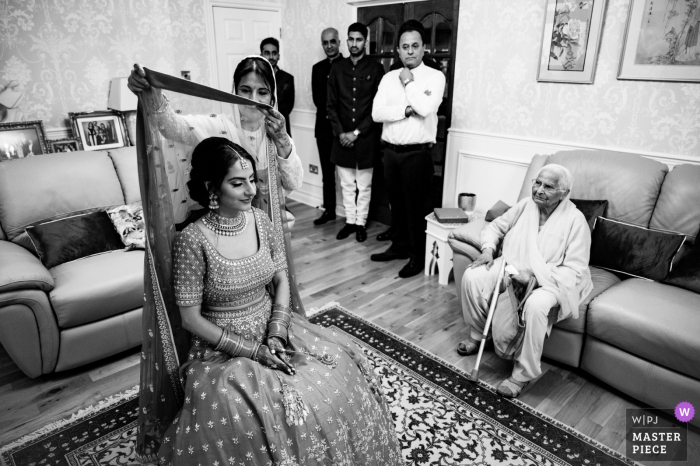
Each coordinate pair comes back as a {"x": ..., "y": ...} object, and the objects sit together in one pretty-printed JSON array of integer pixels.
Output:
[{"x": 163, "y": 166}]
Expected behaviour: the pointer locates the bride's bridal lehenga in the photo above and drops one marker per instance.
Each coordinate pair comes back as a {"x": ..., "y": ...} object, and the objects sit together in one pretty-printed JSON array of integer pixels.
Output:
[{"x": 221, "y": 402}]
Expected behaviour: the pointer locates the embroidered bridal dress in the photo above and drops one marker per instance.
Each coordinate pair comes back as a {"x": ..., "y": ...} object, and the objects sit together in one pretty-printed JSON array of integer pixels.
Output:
[{"x": 198, "y": 405}]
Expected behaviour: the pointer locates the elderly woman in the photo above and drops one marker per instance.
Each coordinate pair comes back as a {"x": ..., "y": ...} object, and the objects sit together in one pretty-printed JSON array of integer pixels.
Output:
[{"x": 544, "y": 236}]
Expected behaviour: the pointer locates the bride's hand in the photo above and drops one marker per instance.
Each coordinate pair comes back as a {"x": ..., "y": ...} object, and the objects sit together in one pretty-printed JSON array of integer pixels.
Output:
[
  {"x": 276, "y": 129},
  {"x": 276, "y": 345},
  {"x": 266, "y": 358}
]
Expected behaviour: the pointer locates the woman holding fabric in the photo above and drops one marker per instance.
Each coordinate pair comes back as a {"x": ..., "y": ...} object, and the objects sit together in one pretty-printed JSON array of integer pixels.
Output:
[
  {"x": 261, "y": 385},
  {"x": 546, "y": 237}
]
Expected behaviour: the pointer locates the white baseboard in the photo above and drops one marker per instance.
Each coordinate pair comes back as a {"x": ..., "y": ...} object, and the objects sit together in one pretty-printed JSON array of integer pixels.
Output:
[{"x": 493, "y": 166}]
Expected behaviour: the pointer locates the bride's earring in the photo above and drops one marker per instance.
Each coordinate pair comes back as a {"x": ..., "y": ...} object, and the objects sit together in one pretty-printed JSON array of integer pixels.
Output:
[{"x": 213, "y": 204}]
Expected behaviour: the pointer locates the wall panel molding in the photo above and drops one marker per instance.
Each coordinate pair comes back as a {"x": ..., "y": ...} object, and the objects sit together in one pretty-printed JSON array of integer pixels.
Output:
[{"x": 493, "y": 166}]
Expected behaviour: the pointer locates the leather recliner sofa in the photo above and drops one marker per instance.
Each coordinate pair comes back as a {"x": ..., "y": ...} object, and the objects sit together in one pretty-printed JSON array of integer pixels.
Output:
[
  {"x": 79, "y": 311},
  {"x": 636, "y": 335}
]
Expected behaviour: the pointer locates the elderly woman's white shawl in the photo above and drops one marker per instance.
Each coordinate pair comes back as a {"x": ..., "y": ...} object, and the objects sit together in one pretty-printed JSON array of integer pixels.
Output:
[{"x": 557, "y": 254}]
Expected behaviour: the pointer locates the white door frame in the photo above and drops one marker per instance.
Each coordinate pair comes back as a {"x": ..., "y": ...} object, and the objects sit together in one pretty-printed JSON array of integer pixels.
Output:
[{"x": 211, "y": 38}]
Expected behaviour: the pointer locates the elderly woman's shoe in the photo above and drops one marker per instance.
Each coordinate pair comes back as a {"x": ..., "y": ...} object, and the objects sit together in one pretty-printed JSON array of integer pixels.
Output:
[
  {"x": 511, "y": 388},
  {"x": 468, "y": 346}
]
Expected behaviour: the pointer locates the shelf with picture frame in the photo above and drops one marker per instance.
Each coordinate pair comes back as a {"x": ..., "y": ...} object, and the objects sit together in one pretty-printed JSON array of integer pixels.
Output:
[
  {"x": 99, "y": 130},
  {"x": 22, "y": 139}
]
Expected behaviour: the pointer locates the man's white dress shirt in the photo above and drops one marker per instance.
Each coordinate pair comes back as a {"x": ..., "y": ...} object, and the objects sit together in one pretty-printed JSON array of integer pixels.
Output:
[{"x": 423, "y": 94}]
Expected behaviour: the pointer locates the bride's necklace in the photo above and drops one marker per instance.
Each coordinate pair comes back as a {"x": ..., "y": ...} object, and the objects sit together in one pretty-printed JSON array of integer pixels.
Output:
[{"x": 225, "y": 226}]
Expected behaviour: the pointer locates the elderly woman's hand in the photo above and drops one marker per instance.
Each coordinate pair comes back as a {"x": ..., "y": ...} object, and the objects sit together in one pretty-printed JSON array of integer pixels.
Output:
[{"x": 486, "y": 258}]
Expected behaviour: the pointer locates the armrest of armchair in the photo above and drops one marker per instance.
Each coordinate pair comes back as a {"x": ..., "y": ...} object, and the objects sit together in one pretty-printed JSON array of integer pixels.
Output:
[
  {"x": 468, "y": 234},
  {"x": 29, "y": 331},
  {"x": 20, "y": 270}
]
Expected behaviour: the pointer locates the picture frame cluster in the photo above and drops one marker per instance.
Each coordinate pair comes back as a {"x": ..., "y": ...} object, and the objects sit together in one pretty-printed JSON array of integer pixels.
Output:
[{"x": 99, "y": 130}]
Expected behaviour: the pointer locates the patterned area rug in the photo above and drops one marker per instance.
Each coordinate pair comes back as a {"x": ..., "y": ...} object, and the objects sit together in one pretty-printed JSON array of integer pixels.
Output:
[{"x": 441, "y": 417}]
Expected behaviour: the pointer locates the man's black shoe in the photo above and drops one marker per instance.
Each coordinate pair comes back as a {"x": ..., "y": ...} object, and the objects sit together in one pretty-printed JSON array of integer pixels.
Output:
[
  {"x": 326, "y": 216},
  {"x": 388, "y": 255},
  {"x": 361, "y": 233},
  {"x": 411, "y": 269},
  {"x": 346, "y": 231},
  {"x": 386, "y": 235}
]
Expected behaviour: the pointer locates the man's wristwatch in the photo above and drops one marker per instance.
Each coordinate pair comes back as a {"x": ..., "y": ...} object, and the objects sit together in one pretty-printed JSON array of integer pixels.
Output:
[
  {"x": 406, "y": 81},
  {"x": 356, "y": 132}
]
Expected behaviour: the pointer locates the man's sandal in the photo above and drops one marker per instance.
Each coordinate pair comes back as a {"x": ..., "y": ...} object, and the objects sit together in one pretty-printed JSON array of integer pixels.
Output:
[{"x": 510, "y": 388}]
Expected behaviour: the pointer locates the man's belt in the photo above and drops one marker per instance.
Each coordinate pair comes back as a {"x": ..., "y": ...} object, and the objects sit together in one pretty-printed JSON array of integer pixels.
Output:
[{"x": 407, "y": 147}]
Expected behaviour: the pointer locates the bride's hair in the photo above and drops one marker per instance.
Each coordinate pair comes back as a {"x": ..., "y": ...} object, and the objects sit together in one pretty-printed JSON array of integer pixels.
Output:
[
  {"x": 259, "y": 66},
  {"x": 211, "y": 161}
]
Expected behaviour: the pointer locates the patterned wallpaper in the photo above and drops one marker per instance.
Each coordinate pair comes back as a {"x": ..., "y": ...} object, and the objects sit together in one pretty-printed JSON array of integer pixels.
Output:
[
  {"x": 302, "y": 23},
  {"x": 497, "y": 92},
  {"x": 62, "y": 53}
]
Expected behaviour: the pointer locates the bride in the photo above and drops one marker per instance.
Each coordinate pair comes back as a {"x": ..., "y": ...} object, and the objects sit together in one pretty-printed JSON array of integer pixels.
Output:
[{"x": 260, "y": 385}]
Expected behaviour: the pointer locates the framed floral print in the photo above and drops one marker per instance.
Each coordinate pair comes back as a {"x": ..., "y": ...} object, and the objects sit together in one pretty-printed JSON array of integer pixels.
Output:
[
  {"x": 22, "y": 139},
  {"x": 662, "y": 41},
  {"x": 570, "y": 41},
  {"x": 99, "y": 130}
]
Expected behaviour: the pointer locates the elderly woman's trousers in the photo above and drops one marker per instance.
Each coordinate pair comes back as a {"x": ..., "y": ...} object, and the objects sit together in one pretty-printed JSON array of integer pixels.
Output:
[{"x": 477, "y": 289}]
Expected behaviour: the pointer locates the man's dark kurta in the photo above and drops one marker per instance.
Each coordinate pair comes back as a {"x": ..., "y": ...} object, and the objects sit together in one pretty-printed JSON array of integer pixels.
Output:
[
  {"x": 285, "y": 95},
  {"x": 351, "y": 90},
  {"x": 319, "y": 91},
  {"x": 323, "y": 131}
]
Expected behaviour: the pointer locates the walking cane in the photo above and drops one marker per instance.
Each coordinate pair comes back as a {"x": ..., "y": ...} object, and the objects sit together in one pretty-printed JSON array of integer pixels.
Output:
[{"x": 474, "y": 376}]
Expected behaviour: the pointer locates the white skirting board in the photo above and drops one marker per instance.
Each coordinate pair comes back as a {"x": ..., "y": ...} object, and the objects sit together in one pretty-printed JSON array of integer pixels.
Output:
[{"x": 493, "y": 166}]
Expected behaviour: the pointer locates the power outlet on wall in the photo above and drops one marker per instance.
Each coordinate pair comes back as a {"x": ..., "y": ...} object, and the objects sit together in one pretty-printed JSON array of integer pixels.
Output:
[{"x": 313, "y": 169}]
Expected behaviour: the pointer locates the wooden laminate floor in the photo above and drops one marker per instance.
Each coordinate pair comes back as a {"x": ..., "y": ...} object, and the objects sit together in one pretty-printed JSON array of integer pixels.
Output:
[{"x": 418, "y": 309}]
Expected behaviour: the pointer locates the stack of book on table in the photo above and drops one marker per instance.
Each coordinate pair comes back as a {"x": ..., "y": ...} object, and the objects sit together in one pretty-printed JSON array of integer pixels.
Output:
[{"x": 450, "y": 215}]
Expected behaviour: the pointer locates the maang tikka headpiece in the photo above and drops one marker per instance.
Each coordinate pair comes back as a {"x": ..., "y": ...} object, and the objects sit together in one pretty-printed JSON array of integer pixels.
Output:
[{"x": 244, "y": 162}]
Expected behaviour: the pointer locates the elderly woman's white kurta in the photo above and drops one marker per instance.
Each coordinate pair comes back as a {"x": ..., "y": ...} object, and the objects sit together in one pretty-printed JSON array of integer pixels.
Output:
[{"x": 556, "y": 254}]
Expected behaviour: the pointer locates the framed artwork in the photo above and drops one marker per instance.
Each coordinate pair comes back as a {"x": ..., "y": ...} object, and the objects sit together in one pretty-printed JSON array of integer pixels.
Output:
[
  {"x": 65, "y": 145},
  {"x": 99, "y": 130},
  {"x": 661, "y": 41},
  {"x": 22, "y": 139},
  {"x": 570, "y": 41}
]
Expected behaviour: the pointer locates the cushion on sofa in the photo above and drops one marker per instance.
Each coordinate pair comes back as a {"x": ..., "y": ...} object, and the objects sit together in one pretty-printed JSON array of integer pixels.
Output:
[
  {"x": 678, "y": 206},
  {"x": 634, "y": 250},
  {"x": 97, "y": 287},
  {"x": 602, "y": 280},
  {"x": 125, "y": 164},
  {"x": 591, "y": 209},
  {"x": 66, "y": 184},
  {"x": 73, "y": 238},
  {"x": 686, "y": 272},
  {"x": 654, "y": 321},
  {"x": 631, "y": 183}
]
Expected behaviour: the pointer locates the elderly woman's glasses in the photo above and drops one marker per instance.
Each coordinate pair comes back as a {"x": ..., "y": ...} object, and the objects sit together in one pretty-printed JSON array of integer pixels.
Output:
[{"x": 547, "y": 188}]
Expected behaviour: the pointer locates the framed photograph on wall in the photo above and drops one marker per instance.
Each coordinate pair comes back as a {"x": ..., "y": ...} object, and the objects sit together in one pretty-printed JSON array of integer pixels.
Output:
[
  {"x": 570, "y": 41},
  {"x": 99, "y": 130},
  {"x": 22, "y": 139},
  {"x": 65, "y": 145},
  {"x": 661, "y": 41}
]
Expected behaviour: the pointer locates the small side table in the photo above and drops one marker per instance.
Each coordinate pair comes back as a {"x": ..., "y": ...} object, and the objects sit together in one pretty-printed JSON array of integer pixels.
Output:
[{"x": 437, "y": 252}]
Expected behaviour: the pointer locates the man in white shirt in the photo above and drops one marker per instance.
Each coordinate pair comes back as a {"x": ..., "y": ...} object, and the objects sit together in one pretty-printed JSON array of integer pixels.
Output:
[{"x": 406, "y": 103}]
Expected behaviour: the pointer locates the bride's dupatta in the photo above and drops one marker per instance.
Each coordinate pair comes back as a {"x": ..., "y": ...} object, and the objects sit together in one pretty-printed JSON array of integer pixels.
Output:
[{"x": 163, "y": 166}]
